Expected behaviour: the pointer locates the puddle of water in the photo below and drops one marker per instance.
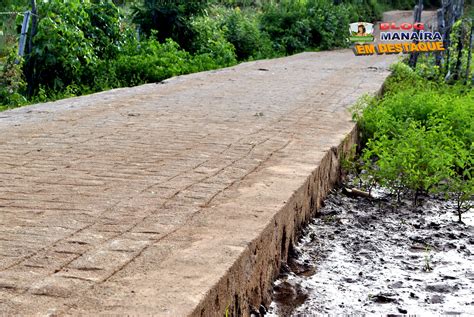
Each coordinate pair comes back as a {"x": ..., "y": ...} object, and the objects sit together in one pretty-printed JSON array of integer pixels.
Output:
[{"x": 362, "y": 258}]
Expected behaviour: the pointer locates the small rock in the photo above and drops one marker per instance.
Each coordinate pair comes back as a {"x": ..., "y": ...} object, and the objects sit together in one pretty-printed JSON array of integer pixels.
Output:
[
  {"x": 436, "y": 299},
  {"x": 449, "y": 246},
  {"x": 441, "y": 288},
  {"x": 384, "y": 298},
  {"x": 402, "y": 310},
  {"x": 418, "y": 239},
  {"x": 413, "y": 295},
  {"x": 448, "y": 277},
  {"x": 397, "y": 284},
  {"x": 284, "y": 268},
  {"x": 349, "y": 280}
]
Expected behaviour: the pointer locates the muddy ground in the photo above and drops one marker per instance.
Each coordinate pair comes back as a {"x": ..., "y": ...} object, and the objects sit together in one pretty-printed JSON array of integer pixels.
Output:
[{"x": 362, "y": 256}]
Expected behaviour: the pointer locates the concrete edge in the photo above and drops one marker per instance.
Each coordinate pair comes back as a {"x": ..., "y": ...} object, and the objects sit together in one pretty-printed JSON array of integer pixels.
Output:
[{"x": 247, "y": 284}]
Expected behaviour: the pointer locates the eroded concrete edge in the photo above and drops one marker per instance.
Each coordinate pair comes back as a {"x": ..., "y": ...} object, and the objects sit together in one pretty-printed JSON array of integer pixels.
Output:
[{"x": 248, "y": 282}]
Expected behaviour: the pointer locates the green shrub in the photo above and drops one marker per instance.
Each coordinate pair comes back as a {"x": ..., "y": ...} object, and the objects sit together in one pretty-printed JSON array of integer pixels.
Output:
[
  {"x": 296, "y": 26},
  {"x": 242, "y": 29},
  {"x": 12, "y": 84},
  {"x": 419, "y": 137},
  {"x": 170, "y": 18},
  {"x": 366, "y": 10},
  {"x": 288, "y": 25},
  {"x": 410, "y": 97},
  {"x": 72, "y": 42},
  {"x": 329, "y": 24},
  {"x": 151, "y": 61},
  {"x": 418, "y": 158},
  {"x": 210, "y": 39},
  {"x": 460, "y": 40}
]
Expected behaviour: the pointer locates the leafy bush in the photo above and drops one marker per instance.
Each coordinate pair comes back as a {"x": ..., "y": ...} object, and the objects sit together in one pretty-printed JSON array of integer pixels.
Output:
[
  {"x": 152, "y": 61},
  {"x": 367, "y": 10},
  {"x": 295, "y": 26},
  {"x": 210, "y": 39},
  {"x": 417, "y": 159},
  {"x": 171, "y": 18},
  {"x": 71, "y": 42},
  {"x": 288, "y": 26},
  {"x": 409, "y": 97},
  {"x": 419, "y": 137},
  {"x": 242, "y": 29},
  {"x": 12, "y": 83},
  {"x": 329, "y": 23},
  {"x": 105, "y": 29},
  {"x": 460, "y": 41}
]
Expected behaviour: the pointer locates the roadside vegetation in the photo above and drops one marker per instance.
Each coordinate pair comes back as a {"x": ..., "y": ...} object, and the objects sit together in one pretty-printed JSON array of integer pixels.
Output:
[{"x": 418, "y": 137}]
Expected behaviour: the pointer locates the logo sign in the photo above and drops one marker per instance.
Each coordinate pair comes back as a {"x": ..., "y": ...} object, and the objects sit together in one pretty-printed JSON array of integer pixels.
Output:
[
  {"x": 361, "y": 32},
  {"x": 395, "y": 38}
]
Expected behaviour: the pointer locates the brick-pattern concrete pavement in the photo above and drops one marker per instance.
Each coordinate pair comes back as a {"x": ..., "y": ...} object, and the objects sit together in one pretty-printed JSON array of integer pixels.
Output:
[{"x": 104, "y": 199}]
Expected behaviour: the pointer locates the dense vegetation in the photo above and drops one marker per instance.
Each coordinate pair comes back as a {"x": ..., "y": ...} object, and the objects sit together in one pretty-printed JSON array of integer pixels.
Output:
[{"x": 419, "y": 138}]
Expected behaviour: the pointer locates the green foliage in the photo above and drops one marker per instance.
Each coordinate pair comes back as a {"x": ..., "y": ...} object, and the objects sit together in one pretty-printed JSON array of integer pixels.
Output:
[
  {"x": 105, "y": 29},
  {"x": 152, "y": 61},
  {"x": 288, "y": 26},
  {"x": 242, "y": 29},
  {"x": 12, "y": 83},
  {"x": 211, "y": 40},
  {"x": 295, "y": 26},
  {"x": 171, "y": 18},
  {"x": 452, "y": 66},
  {"x": 460, "y": 188},
  {"x": 419, "y": 136},
  {"x": 410, "y": 97},
  {"x": 458, "y": 50},
  {"x": 72, "y": 42},
  {"x": 416, "y": 159},
  {"x": 368, "y": 10},
  {"x": 8, "y": 33}
]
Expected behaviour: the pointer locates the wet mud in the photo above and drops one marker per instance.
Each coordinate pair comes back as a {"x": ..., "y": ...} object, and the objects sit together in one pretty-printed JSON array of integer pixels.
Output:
[{"x": 363, "y": 256}]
